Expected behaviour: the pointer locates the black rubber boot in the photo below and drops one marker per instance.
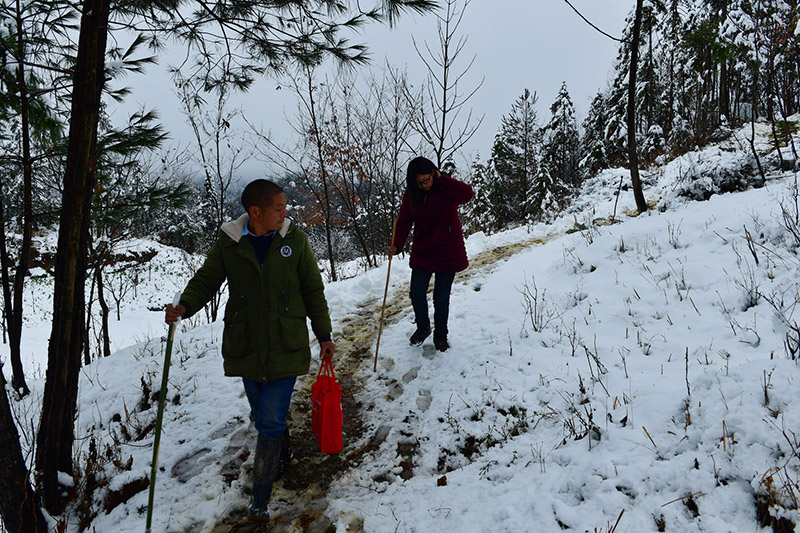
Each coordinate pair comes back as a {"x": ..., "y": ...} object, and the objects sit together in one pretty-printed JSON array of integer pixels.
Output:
[
  {"x": 286, "y": 453},
  {"x": 440, "y": 341},
  {"x": 420, "y": 335},
  {"x": 265, "y": 471}
]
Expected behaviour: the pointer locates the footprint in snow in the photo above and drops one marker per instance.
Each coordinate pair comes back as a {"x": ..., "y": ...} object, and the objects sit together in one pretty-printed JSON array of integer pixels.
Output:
[
  {"x": 424, "y": 400},
  {"x": 191, "y": 464},
  {"x": 428, "y": 351},
  {"x": 197, "y": 460},
  {"x": 395, "y": 390},
  {"x": 411, "y": 375}
]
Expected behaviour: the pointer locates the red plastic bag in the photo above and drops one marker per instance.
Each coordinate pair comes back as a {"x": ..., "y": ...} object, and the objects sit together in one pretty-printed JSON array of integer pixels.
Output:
[{"x": 326, "y": 409}]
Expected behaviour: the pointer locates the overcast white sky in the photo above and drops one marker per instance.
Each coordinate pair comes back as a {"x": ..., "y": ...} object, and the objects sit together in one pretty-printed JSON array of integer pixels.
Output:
[{"x": 517, "y": 44}]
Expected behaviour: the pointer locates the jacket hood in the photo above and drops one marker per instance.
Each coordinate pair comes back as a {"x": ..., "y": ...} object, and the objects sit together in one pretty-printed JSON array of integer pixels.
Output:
[{"x": 234, "y": 228}]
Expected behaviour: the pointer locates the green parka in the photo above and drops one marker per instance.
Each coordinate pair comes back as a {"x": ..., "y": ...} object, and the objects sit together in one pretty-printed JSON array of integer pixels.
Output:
[{"x": 265, "y": 335}]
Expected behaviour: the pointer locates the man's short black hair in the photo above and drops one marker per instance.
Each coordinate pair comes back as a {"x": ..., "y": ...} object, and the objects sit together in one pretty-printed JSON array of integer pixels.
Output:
[{"x": 259, "y": 193}]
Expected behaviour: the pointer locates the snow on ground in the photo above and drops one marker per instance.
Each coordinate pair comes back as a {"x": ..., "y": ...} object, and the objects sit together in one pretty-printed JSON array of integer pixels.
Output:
[
  {"x": 567, "y": 414},
  {"x": 633, "y": 372}
]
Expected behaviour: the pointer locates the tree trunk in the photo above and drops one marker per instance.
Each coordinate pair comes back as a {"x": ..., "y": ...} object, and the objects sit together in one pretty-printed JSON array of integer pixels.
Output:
[
  {"x": 362, "y": 242},
  {"x": 772, "y": 96},
  {"x": 101, "y": 299},
  {"x": 19, "y": 505},
  {"x": 325, "y": 200},
  {"x": 56, "y": 430},
  {"x": 724, "y": 83},
  {"x": 724, "y": 92},
  {"x": 12, "y": 318},
  {"x": 214, "y": 306},
  {"x": 87, "y": 344},
  {"x": 328, "y": 221},
  {"x": 15, "y": 311},
  {"x": 754, "y": 94},
  {"x": 633, "y": 157},
  {"x": 5, "y": 269}
]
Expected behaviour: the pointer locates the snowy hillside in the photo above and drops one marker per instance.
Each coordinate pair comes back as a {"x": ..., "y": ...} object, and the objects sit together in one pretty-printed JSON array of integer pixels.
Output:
[{"x": 628, "y": 376}]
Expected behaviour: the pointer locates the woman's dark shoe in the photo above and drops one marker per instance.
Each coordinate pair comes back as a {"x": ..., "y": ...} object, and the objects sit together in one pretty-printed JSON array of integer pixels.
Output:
[
  {"x": 440, "y": 341},
  {"x": 420, "y": 335}
]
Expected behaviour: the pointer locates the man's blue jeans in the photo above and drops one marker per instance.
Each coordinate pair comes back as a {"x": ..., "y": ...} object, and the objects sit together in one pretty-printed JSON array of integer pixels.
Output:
[
  {"x": 420, "y": 279},
  {"x": 269, "y": 404}
]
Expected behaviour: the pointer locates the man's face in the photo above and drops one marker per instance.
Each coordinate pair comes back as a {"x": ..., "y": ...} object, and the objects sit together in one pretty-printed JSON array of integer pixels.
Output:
[{"x": 269, "y": 218}]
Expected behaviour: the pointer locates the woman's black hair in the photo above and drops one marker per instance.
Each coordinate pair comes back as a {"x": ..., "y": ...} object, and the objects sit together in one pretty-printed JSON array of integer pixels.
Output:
[{"x": 417, "y": 166}]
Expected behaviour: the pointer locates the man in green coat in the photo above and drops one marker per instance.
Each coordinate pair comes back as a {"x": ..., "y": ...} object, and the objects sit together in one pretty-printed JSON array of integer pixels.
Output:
[{"x": 274, "y": 284}]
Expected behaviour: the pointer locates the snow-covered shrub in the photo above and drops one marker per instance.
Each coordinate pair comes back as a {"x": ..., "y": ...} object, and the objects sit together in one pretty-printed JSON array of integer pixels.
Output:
[
  {"x": 777, "y": 494},
  {"x": 681, "y": 135},
  {"x": 702, "y": 181},
  {"x": 654, "y": 143}
]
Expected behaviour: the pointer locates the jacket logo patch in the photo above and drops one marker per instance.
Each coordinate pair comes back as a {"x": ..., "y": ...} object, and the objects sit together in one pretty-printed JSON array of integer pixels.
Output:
[{"x": 286, "y": 251}]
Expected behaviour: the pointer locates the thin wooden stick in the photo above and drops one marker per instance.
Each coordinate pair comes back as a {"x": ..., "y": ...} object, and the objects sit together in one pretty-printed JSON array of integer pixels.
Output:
[
  {"x": 385, "y": 292},
  {"x": 685, "y": 497},
  {"x": 613, "y": 529},
  {"x": 649, "y": 437},
  {"x": 724, "y": 437}
]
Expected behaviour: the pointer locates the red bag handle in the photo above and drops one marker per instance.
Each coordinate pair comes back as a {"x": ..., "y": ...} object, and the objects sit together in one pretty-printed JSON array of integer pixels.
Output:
[{"x": 326, "y": 368}]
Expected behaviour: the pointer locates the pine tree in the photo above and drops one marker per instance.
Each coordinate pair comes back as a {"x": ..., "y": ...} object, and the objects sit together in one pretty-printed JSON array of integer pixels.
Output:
[
  {"x": 515, "y": 158},
  {"x": 542, "y": 197},
  {"x": 33, "y": 53},
  {"x": 561, "y": 148},
  {"x": 479, "y": 213},
  {"x": 616, "y": 102},
  {"x": 650, "y": 104},
  {"x": 593, "y": 149},
  {"x": 124, "y": 194}
]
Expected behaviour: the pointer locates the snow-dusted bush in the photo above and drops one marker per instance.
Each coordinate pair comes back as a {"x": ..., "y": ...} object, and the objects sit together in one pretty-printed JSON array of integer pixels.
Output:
[{"x": 702, "y": 181}]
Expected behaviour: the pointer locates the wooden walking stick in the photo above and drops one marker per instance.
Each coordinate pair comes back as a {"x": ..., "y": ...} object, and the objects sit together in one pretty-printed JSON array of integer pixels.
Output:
[
  {"x": 160, "y": 416},
  {"x": 385, "y": 292}
]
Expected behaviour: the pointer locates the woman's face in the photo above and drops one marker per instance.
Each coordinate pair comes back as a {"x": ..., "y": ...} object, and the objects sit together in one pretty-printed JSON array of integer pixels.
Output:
[{"x": 425, "y": 181}]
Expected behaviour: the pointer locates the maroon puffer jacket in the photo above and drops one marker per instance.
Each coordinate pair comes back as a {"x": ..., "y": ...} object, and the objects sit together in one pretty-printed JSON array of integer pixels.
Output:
[{"x": 438, "y": 241}]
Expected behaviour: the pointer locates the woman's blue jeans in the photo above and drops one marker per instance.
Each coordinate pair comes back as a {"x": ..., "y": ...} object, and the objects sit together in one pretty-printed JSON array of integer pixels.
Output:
[
  {"x": 420, "y": 279},
  {"x": 269, "y": 404}
]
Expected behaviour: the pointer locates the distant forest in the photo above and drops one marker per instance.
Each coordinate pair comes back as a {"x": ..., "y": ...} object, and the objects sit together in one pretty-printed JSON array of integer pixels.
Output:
[{"x": 703, "y": 68}]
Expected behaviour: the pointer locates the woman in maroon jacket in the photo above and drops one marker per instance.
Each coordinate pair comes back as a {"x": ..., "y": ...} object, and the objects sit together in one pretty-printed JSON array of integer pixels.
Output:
[{"x": 430, "y": 204}]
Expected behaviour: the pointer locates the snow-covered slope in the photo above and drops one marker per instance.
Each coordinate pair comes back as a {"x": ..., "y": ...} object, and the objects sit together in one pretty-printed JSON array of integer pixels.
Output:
[
  {"x": 630, "y": 374},
  {"x": 623, "y": 368}
]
